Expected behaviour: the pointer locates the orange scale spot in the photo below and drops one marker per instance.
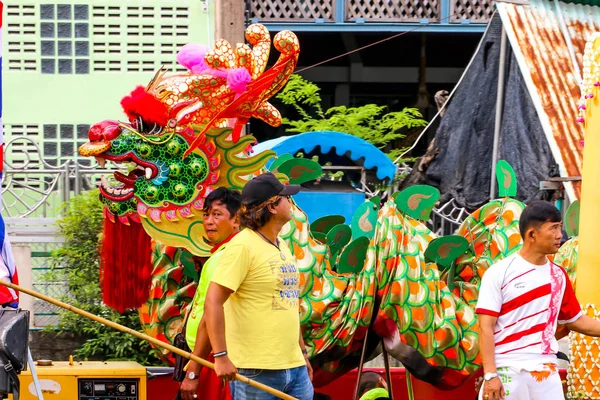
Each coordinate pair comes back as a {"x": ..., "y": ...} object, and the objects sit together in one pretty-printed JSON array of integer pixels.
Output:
[
  {"x": 298, "y": 251},
  {"x": 317, "y": 285},
  {"x": 466, "y": 345},
  {"x": 479, "y": 248},
  {"x": 508, "y": 217},
  {"x": 302, "y": 280},
  {"x": 418, "y": 313},
  {"x": 414, "y": 288},
  {"x": 489, "y": 219},
  {"x": 319, "y": 344},
  {"x": 299, "y": 225},
  {"x": 446, "y": 304},
  {"x": 336, "y": 315},
  {"x": 514, "y": 240},
  {"x": 494, "y": 249},
  {"x": 423, "y": 338},
  {"x": 433, "y": 287},
  {"x": 359, "y": 285},
  {"x": 339, "y": 284},
  {"x": 364, "y": 313},
  {"x": 450, "y": 353},
  {"x": 396, "y": 287},
  {"x": 466, "y": 274},
  {"x": 460, "y": 315},
  {"x": 468, "y": 295},
  {"x": 440, "y": 335}
]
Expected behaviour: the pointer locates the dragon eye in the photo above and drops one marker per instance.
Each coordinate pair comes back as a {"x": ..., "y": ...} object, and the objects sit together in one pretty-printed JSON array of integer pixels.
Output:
[
  {"x": 175, "y": 170},
  {"x": 145, "y": 150},
  {"x": 197, "y": 168},
  {"x": 173, "y": 147},
  {"x": 151, "y": 192},
  {"x": 179, "y": 190}
]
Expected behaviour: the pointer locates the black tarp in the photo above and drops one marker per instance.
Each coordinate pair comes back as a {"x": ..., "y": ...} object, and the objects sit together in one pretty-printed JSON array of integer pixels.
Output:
[{"x": 462, "y": 168}]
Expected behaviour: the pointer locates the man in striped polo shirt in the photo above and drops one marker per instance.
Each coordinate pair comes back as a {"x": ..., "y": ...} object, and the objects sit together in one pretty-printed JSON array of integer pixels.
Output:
[{"x": 521, "y": 300}]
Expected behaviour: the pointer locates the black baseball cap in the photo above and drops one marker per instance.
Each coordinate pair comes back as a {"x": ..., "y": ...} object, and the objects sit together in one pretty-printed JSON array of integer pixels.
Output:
[{"x": 265, "y": 186}]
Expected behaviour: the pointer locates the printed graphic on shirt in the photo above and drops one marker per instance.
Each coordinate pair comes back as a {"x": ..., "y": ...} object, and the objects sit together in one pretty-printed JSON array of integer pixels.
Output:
[{"x": 287, "y": 291}]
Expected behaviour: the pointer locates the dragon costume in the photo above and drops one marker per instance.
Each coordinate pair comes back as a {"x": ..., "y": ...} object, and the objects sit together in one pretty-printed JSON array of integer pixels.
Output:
[{"x": 384, "y": 275}]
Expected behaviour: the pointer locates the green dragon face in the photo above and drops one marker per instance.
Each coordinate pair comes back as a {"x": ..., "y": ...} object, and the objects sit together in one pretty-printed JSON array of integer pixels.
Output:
[{"x": 157, "y": 178}]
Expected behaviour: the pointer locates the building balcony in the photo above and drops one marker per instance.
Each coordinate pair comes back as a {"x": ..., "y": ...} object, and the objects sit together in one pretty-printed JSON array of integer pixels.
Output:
[{"x": 373, "y": 15}]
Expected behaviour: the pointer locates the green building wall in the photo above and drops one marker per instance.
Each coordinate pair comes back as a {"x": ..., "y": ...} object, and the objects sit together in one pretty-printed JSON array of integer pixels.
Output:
[{"x": 67, "y": 64}]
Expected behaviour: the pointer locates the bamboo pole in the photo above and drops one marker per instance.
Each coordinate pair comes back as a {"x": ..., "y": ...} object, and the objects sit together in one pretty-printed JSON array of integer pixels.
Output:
[{"x": 139, "y": 335}]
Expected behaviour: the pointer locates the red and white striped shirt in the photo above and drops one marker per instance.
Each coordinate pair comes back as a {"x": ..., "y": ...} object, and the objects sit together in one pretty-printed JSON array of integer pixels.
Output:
[{"x": 528, "y": 300}]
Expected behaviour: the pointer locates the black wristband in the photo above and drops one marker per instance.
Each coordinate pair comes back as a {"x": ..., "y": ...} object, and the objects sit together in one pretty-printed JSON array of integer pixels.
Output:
[
  {"x": 304, "y": 352},
  {"x": 220, "y": 354}
]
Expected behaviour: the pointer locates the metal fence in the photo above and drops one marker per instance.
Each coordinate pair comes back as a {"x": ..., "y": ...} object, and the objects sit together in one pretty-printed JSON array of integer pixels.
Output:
[{"x": 46, "y": 280}]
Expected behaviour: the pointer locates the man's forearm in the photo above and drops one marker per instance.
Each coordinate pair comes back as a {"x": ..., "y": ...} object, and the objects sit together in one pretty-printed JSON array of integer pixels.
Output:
[
  {"x": 586, "y": 325},
  {"x": 215, "y": 326},
  {"x": 202, "y": 347},
  {"x": 487, "y": 349}
]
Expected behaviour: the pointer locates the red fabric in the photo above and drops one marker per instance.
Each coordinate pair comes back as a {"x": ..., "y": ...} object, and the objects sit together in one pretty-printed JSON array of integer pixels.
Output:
[
  {"x": 143, "y": 104},
  {"x": 486, "y": 312},
  {"x": 215, "y": 248},
  {"x": 125, "y": 265},
  {"x": 211, "y": 386},
  {"x": 569, "y": 307}
]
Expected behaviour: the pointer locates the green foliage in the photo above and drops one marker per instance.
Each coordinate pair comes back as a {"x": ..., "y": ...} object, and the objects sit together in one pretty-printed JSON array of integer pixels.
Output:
[
  {"x": 79, "y": 260},
  {"x": 369, "y": 122}
]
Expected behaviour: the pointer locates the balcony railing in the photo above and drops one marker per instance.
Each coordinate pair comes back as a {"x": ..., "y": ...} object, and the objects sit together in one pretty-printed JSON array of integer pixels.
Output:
[{"x": 372, "y": 11}]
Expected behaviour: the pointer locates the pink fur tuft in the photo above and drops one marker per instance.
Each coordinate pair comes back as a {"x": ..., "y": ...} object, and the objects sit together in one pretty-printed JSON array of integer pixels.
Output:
[
  {"x": 191, "y": 56},
  {"x": 237, "y": 79}
]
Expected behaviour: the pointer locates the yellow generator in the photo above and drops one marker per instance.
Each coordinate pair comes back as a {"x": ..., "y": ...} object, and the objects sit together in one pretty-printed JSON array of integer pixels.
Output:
[{"x": 88, "y": 380}]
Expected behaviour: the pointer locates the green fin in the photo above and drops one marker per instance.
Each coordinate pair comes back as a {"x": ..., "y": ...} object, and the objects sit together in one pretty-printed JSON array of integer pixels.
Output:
[
  {"x": 300, "y": 170},
  {"x": 376, "y": 200},
  {"x": 395, "y": 194},
  {"x": 444, "y": 251},
  {"x": 507, "y": 180},
  {"x": 572, "y": 219},
  {"x": 339, "y": 236},
  {"x": 189, "y": 268},
  {"x": 417, "y": 201},
  {"x": 324, "y": 224},
  {"x": 353, "y": 257},
  {"x": 280, "y": 160},
  {"x": 364, "y": 220},
  {"x": 319, "y": 237}
]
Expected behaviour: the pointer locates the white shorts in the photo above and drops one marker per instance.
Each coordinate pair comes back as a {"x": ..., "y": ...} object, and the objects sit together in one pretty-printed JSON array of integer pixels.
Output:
[{"x": 530, "y": 385}]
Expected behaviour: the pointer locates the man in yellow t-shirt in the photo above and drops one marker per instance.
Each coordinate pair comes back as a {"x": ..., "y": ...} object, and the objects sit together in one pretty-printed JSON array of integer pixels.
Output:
[
  {"x": 252, "y": 304},
  {"x": 221, "y": 224}
]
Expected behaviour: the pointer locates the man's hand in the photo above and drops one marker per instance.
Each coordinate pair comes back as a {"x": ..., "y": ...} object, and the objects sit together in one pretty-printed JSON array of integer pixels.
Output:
[
  {"x": 189, "y": 388},
  {"x": 493, "y": 389},
  {"x": 225, "y": 368},
  {"x": 308, "y": 367}
]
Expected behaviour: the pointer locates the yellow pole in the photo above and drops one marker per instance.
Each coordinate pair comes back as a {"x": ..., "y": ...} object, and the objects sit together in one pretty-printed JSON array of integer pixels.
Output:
[
  {"x": 584, "y": 370},
  {"x": 150, "y": 339}
]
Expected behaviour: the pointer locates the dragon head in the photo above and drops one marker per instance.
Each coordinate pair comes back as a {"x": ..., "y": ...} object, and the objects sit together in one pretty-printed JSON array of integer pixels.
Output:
[{"x": 177, "y": 146}]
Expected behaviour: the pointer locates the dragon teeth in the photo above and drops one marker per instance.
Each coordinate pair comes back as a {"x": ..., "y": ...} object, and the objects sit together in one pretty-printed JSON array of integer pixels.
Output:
[
  {"x": 101, "y": 161},
  {"x": 148, "y": 173},
  {"x": 114, "y": 190}
]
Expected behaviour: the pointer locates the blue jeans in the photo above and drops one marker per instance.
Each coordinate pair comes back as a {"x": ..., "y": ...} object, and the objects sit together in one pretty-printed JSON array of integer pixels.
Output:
[{"x": 293, "y": 381}]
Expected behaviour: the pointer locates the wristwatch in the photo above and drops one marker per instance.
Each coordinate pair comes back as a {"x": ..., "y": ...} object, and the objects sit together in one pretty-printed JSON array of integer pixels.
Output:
[
  {"x": 192, "y": 375},
  {"x": 489, "y": 376}
]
